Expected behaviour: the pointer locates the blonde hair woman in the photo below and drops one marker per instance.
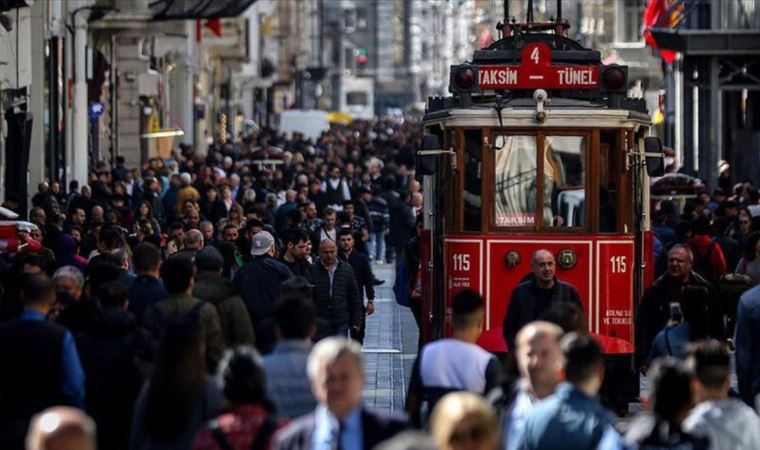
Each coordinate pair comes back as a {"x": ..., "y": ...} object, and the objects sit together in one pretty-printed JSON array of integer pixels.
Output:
[{"x": 462, "y": 420}]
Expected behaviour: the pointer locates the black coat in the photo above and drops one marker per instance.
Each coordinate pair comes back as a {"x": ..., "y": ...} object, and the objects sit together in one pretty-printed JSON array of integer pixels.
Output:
[
  {"x": 30, "y": 381},
  {"x": 402, "y": 223},
  {"x": 345, "y": 305},
  {"x": 258, "y": 283},
  {"x": 363, "y": 273},
  {"x": 376, "y": 427},
  {"x": 654, "y": 310},
  {"x": 524, "y": 306},
  {"x": 109, "y": 353}
]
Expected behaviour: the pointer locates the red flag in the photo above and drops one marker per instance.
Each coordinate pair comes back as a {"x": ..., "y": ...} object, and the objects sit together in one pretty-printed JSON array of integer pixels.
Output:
[
  {"x": 215, "y": 25},
  {"x": 654, "y": 17}
]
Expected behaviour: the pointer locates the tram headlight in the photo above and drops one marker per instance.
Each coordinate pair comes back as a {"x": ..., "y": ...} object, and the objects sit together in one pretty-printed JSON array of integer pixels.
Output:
[
  {"x": 463, "y": 78},
  {"x": 614, "y": 78}
]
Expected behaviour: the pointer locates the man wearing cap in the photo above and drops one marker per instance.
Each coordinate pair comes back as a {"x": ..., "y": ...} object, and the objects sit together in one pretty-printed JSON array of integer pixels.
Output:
[
  {"x": 724, "y": 176},
  {"x": 259, "y": 280}
]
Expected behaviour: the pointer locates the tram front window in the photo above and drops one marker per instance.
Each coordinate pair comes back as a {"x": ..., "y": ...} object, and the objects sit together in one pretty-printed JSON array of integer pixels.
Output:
[
  {"x": 564, "y": 181},
  {"x": 515, "y": 179}
]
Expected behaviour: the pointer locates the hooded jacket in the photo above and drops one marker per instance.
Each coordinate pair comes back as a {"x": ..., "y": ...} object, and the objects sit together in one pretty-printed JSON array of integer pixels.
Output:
[
  {"x": 727, "y": 423},
  {"x": 233, "y": 315},
  {"x": 112, "y": 352},
  {"x": 700, "y": 247}
]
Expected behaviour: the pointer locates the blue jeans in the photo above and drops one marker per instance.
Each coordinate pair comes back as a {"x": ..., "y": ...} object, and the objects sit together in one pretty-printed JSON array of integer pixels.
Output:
[
  {"x": 376, "y": 246},
  {"x": 340, "y": 330}
]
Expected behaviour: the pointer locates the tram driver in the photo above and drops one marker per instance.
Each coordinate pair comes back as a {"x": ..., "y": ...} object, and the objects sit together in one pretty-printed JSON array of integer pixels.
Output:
[{"x": 532, "y": 298}]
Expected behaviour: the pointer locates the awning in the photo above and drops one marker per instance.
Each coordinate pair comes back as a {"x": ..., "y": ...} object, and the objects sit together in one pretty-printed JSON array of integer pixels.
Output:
[
  {"x": 708, "y": 42},
  {"x": 7, "y": 5},
  {"x": 198, "y": 9}
]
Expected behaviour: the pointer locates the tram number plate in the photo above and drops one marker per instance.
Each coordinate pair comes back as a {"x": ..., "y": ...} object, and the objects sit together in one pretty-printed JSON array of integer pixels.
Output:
[
  {"x": 536, "y": 71},
  {"x": 463, "y": 265}
]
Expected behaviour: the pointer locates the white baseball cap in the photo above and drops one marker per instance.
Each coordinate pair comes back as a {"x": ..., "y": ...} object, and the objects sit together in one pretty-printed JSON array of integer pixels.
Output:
[{"x": 261, "y": 243}]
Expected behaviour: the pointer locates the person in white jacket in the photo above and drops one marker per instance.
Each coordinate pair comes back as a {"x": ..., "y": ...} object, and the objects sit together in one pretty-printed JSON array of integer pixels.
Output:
[{"x": 726, "y": 422}]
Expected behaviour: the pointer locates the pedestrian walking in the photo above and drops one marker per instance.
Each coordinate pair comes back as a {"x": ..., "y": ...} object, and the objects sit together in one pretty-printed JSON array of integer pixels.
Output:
[
  {"x": 258, "y": 281},
  {"x": 336, "y": 295},
  {"x": 336, "y": 371},
  {"x": 454, "y": 364}
]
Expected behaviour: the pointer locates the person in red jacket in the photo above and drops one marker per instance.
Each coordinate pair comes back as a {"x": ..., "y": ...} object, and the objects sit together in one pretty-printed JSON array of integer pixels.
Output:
[{"x": 709, "y": 260}]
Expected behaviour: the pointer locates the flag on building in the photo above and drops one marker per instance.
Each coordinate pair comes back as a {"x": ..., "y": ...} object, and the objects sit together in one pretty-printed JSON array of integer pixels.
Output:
[{"x": 662, "y": 14}]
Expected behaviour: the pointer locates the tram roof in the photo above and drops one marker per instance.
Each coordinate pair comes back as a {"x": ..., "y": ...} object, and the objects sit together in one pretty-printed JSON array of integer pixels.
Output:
[{"x": 562, "y": 113}]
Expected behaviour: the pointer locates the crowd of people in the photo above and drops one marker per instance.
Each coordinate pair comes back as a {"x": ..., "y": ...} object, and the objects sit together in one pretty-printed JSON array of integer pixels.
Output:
[
  {"x": 218, "y": 300},
  {"x": 256, "y": 248}
]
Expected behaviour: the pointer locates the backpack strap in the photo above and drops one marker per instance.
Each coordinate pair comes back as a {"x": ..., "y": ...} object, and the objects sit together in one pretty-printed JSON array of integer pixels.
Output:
[
  {"x": 667, "y": 342},
  {"x": 264, "y": 435},
  {"x": 197, "y": 309},
  {"x": 219, "y": 437},
  {"x": 710, "y": 249}
]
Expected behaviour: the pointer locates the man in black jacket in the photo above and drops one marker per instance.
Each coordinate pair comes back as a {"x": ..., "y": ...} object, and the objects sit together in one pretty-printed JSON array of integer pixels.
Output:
[
  {"x": 336, "y": 294},
  {"x": 363, "y": 273},
  {"x": 532, "y": 298},
  {"x": 259, "y": 280},
  {"x": 114, "y": 353},
  {"x": 296, "y": 241},
  {"x": 655, "y": 309}
]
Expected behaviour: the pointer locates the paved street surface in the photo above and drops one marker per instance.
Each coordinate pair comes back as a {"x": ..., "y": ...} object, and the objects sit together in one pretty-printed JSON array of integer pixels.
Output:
[{"x": 390, "y": 346}]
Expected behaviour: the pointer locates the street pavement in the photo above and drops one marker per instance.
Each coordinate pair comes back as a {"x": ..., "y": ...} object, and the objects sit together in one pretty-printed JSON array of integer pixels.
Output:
[{"x": 390, "y": 346}]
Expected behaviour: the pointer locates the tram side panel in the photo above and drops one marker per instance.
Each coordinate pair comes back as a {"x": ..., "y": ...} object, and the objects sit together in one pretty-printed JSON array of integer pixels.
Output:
[{"x": 600, "y": 268}]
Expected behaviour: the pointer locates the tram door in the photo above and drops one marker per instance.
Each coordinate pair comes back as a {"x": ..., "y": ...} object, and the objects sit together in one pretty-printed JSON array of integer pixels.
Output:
[{"x": 436, "y": 162}]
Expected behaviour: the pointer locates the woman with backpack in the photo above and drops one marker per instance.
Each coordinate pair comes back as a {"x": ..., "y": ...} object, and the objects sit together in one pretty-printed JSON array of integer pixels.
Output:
[
  {"x": 688, "y": 323},
  {"x": 179, "y": 397},
  {"x": 250, "y": 422}
]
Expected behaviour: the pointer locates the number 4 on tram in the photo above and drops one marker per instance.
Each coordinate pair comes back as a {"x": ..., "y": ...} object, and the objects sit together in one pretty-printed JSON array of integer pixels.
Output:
[{"x": 539, "y": 147}]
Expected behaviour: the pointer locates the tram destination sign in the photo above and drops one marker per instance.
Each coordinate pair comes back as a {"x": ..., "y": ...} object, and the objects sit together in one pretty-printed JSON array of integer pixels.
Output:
[{"x": 537, "y": 72}]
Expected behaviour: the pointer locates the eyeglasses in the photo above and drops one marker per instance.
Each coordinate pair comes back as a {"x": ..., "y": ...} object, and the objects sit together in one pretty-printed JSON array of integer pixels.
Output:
[{"x": 475, "y": 434}]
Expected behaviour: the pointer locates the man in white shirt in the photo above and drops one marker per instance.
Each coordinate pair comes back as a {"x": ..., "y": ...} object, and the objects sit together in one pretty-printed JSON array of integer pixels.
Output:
[{"x": 456, "y": 363}]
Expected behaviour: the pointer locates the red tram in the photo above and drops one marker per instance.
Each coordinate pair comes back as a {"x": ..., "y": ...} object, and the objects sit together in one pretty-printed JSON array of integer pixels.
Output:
[{"x": 538, "y": 147}]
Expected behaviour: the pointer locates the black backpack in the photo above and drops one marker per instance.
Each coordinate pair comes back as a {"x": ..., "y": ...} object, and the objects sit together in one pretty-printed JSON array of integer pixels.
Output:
[{"x": 702, "y": 262}]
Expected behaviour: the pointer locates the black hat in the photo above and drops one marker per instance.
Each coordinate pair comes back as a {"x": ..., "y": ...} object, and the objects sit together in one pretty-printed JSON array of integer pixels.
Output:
[{"x": 209, "y": 258}]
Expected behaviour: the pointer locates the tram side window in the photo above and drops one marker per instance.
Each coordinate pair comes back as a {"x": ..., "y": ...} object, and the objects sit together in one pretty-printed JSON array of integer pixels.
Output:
[
  {"x": 473, "y": 166},
  {"x": 515, "y": 170},
  {"x": 564, "y": 181},
  {"x": 609, "y": 170}
]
